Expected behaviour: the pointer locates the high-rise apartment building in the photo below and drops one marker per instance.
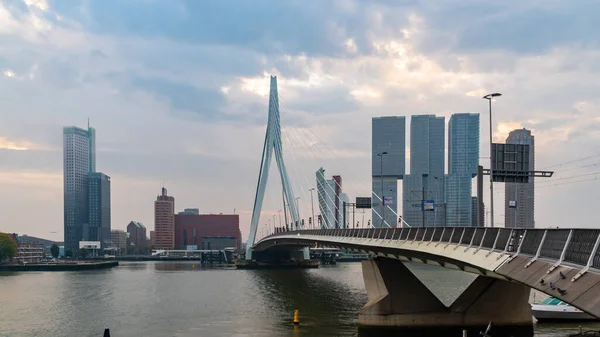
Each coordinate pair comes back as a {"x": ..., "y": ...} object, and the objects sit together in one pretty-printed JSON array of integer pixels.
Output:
[
  {"x": 98, "y": 226},
  {"x": 426, "y": 179},
  {"x": 79, "y": 159},
  {"x": 519, "y": 199},
  {"x": 389, "y": 137},
  {"x": 463, "y": 159},
  {"x": 164, "y": 221}
]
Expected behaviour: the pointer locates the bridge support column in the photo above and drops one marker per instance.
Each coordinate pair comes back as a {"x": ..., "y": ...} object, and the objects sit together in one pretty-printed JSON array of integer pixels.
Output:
[{"x": 398, "y": 299}]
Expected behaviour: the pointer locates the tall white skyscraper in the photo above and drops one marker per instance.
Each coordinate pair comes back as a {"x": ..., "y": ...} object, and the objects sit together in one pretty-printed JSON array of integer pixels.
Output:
[
  {"x": 388, "y": 150},
  {"x": 78, "y": 162},
  {"x": 519, "y": 202}
]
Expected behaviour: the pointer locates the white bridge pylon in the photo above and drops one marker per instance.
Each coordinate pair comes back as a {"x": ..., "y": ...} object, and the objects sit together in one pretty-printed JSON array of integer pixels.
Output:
[{"x": 272, "y": 145}]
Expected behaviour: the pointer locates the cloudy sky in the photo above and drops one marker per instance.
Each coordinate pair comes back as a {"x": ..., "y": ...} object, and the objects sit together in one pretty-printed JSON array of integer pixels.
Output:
[{"x": 178, "y": 91}]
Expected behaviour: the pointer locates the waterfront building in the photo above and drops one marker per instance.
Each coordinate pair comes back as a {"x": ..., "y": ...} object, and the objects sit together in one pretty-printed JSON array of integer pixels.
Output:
[
  {"x": 118, "y": 240},
  {"x": 137, "y": 235},
  {"x": 164, "y": 221},
  {"x": 463, "y": 160},
  {"x": 425, "y": 183},
  {"x": 519, "y": 198},
  {"x": 207, "y": 231},
  {"x": 98, "y": 226},
  {"x": 28, "y": 251},
  {"x": 79, "y": 159},
  {"x": 388, "y": 134}
]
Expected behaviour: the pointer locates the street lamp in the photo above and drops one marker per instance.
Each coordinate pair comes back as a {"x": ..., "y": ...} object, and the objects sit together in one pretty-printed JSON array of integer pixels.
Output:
[
  {"x": 312, "y": 206},
  {"x": 381, "y": 154},
  {"x": 489, "y": 97}
]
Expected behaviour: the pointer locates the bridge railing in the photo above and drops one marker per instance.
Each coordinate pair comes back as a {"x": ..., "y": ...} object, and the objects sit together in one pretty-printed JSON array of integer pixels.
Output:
[{"x": 575, "y": 246}]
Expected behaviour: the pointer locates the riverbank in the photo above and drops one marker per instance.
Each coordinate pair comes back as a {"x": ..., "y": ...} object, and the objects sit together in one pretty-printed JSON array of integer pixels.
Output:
[{"x": 67, "y": 266}]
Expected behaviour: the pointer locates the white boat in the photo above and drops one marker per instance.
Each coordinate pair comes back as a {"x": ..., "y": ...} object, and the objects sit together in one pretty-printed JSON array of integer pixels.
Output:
[{"x": 553, "y": 309}]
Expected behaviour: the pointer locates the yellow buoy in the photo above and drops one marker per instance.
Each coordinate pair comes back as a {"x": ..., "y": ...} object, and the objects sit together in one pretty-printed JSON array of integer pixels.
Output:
[
  {"x": 296, "y": 317},
  {"x": 193, "y": 267}
]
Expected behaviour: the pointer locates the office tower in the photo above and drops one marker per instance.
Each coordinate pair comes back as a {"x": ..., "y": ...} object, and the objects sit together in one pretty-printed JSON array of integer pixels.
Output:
[
  {"x": 519, "y": 199},
  {"x": 463, "y": 159},
  {"x": 426, "y": 179},
  {"x": 98, "y": 226},
  {"x": 78, "y": 161},
  {"x": 164, "y": 221},
  {"x": 389, "y": 137}
]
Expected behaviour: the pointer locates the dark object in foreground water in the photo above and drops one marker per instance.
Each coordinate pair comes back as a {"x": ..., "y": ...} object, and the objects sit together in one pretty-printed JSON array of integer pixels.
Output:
[{"x": 106, "y": 333}]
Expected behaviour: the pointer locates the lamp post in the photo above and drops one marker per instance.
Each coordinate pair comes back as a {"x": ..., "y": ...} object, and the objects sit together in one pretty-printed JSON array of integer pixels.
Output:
[
  {"x": 489, "y": 97},
  {"x": 381, "y": 154},
  {"x": 312, "y": 206}
]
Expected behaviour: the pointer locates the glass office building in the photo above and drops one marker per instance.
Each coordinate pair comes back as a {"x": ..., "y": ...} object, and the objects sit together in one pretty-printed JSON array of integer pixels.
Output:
[
  {"x": 425, "y": 183},
  {"x": 388, "y": 135},
  {"x": 78, "y": 161},
  {"x": 463, "y": 159}
]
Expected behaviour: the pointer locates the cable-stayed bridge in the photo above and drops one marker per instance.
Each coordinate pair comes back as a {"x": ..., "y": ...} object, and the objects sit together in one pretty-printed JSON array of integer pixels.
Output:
[{"x": 564, "y": 263}]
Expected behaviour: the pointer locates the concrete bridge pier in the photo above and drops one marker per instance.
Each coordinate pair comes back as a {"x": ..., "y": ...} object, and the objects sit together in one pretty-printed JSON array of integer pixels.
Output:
[{"x": 398, "y": 300}]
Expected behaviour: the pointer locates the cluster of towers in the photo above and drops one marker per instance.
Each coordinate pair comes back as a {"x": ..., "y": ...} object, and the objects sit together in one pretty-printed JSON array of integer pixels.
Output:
[{"x": 430, "y": 196}]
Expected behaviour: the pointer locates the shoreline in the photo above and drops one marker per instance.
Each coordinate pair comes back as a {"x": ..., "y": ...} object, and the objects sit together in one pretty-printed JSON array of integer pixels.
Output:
[{"x": 59, "y": 266}]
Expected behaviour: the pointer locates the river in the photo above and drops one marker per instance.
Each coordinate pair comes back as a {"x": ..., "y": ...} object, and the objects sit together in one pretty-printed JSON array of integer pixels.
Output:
[{"x": 178, "y": 299}]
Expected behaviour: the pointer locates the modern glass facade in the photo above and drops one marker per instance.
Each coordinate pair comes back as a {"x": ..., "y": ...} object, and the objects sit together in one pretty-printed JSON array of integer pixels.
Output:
[
  {"x": 426, "y": 178},
  {"x": 522, "y": 195},
  {"x": 463, "y": 159},
  {"x": 78, "y": 159},
  {"x": 99, "y": 209},
  {"x": 388, "y": 135}
]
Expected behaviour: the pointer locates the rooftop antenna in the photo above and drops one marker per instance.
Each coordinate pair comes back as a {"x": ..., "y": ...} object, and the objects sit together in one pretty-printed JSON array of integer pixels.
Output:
[{"x": 88, "y": 123}]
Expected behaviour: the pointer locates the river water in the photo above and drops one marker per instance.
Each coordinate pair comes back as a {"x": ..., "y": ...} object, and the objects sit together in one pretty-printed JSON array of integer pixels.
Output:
[{"x": 158, "y": 299}]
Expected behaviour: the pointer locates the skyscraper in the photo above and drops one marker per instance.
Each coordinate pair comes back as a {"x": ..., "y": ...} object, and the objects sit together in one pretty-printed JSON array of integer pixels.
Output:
[
  {"x": 164, "y": 221},
  {"x": 98, "y": 226},
  {"x": 79, "y": 159},
  {"x": 389, "y": 137},
  {"x": 463, "y": 159},
  {"x": 426, "y": 178},
  {"x": 519, "y": 199}
]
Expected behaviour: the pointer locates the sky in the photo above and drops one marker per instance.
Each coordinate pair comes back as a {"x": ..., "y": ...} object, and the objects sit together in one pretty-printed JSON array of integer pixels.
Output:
[{"x": 178, "y": 90}]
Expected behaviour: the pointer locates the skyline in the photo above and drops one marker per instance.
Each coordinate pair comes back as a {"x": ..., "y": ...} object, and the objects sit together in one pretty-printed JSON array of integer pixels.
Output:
[{"x": 180, "y": 107}]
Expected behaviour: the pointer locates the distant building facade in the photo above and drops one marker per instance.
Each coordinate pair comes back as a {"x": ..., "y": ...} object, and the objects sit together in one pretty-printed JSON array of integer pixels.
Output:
[
  {"x": 118, "y": 240},
  {"x": 519, "y": 199},
  {"x": 79, "y": 159},
  {"x": 426, "y": 179},
  {"x": 388, "y": 135},
  {"x": 164, "y": 221},
  {"x": 27, "y": 251},
  {"x": 137, "y": 235},
  {"x": 98, "y": 226},
  {"x": 207, "y": 231},
  {"x": 190, "y": 211}
]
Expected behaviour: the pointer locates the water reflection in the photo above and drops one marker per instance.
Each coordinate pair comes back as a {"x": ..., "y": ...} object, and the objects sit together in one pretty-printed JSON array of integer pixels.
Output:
[{"x": 155, "y": 299}]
